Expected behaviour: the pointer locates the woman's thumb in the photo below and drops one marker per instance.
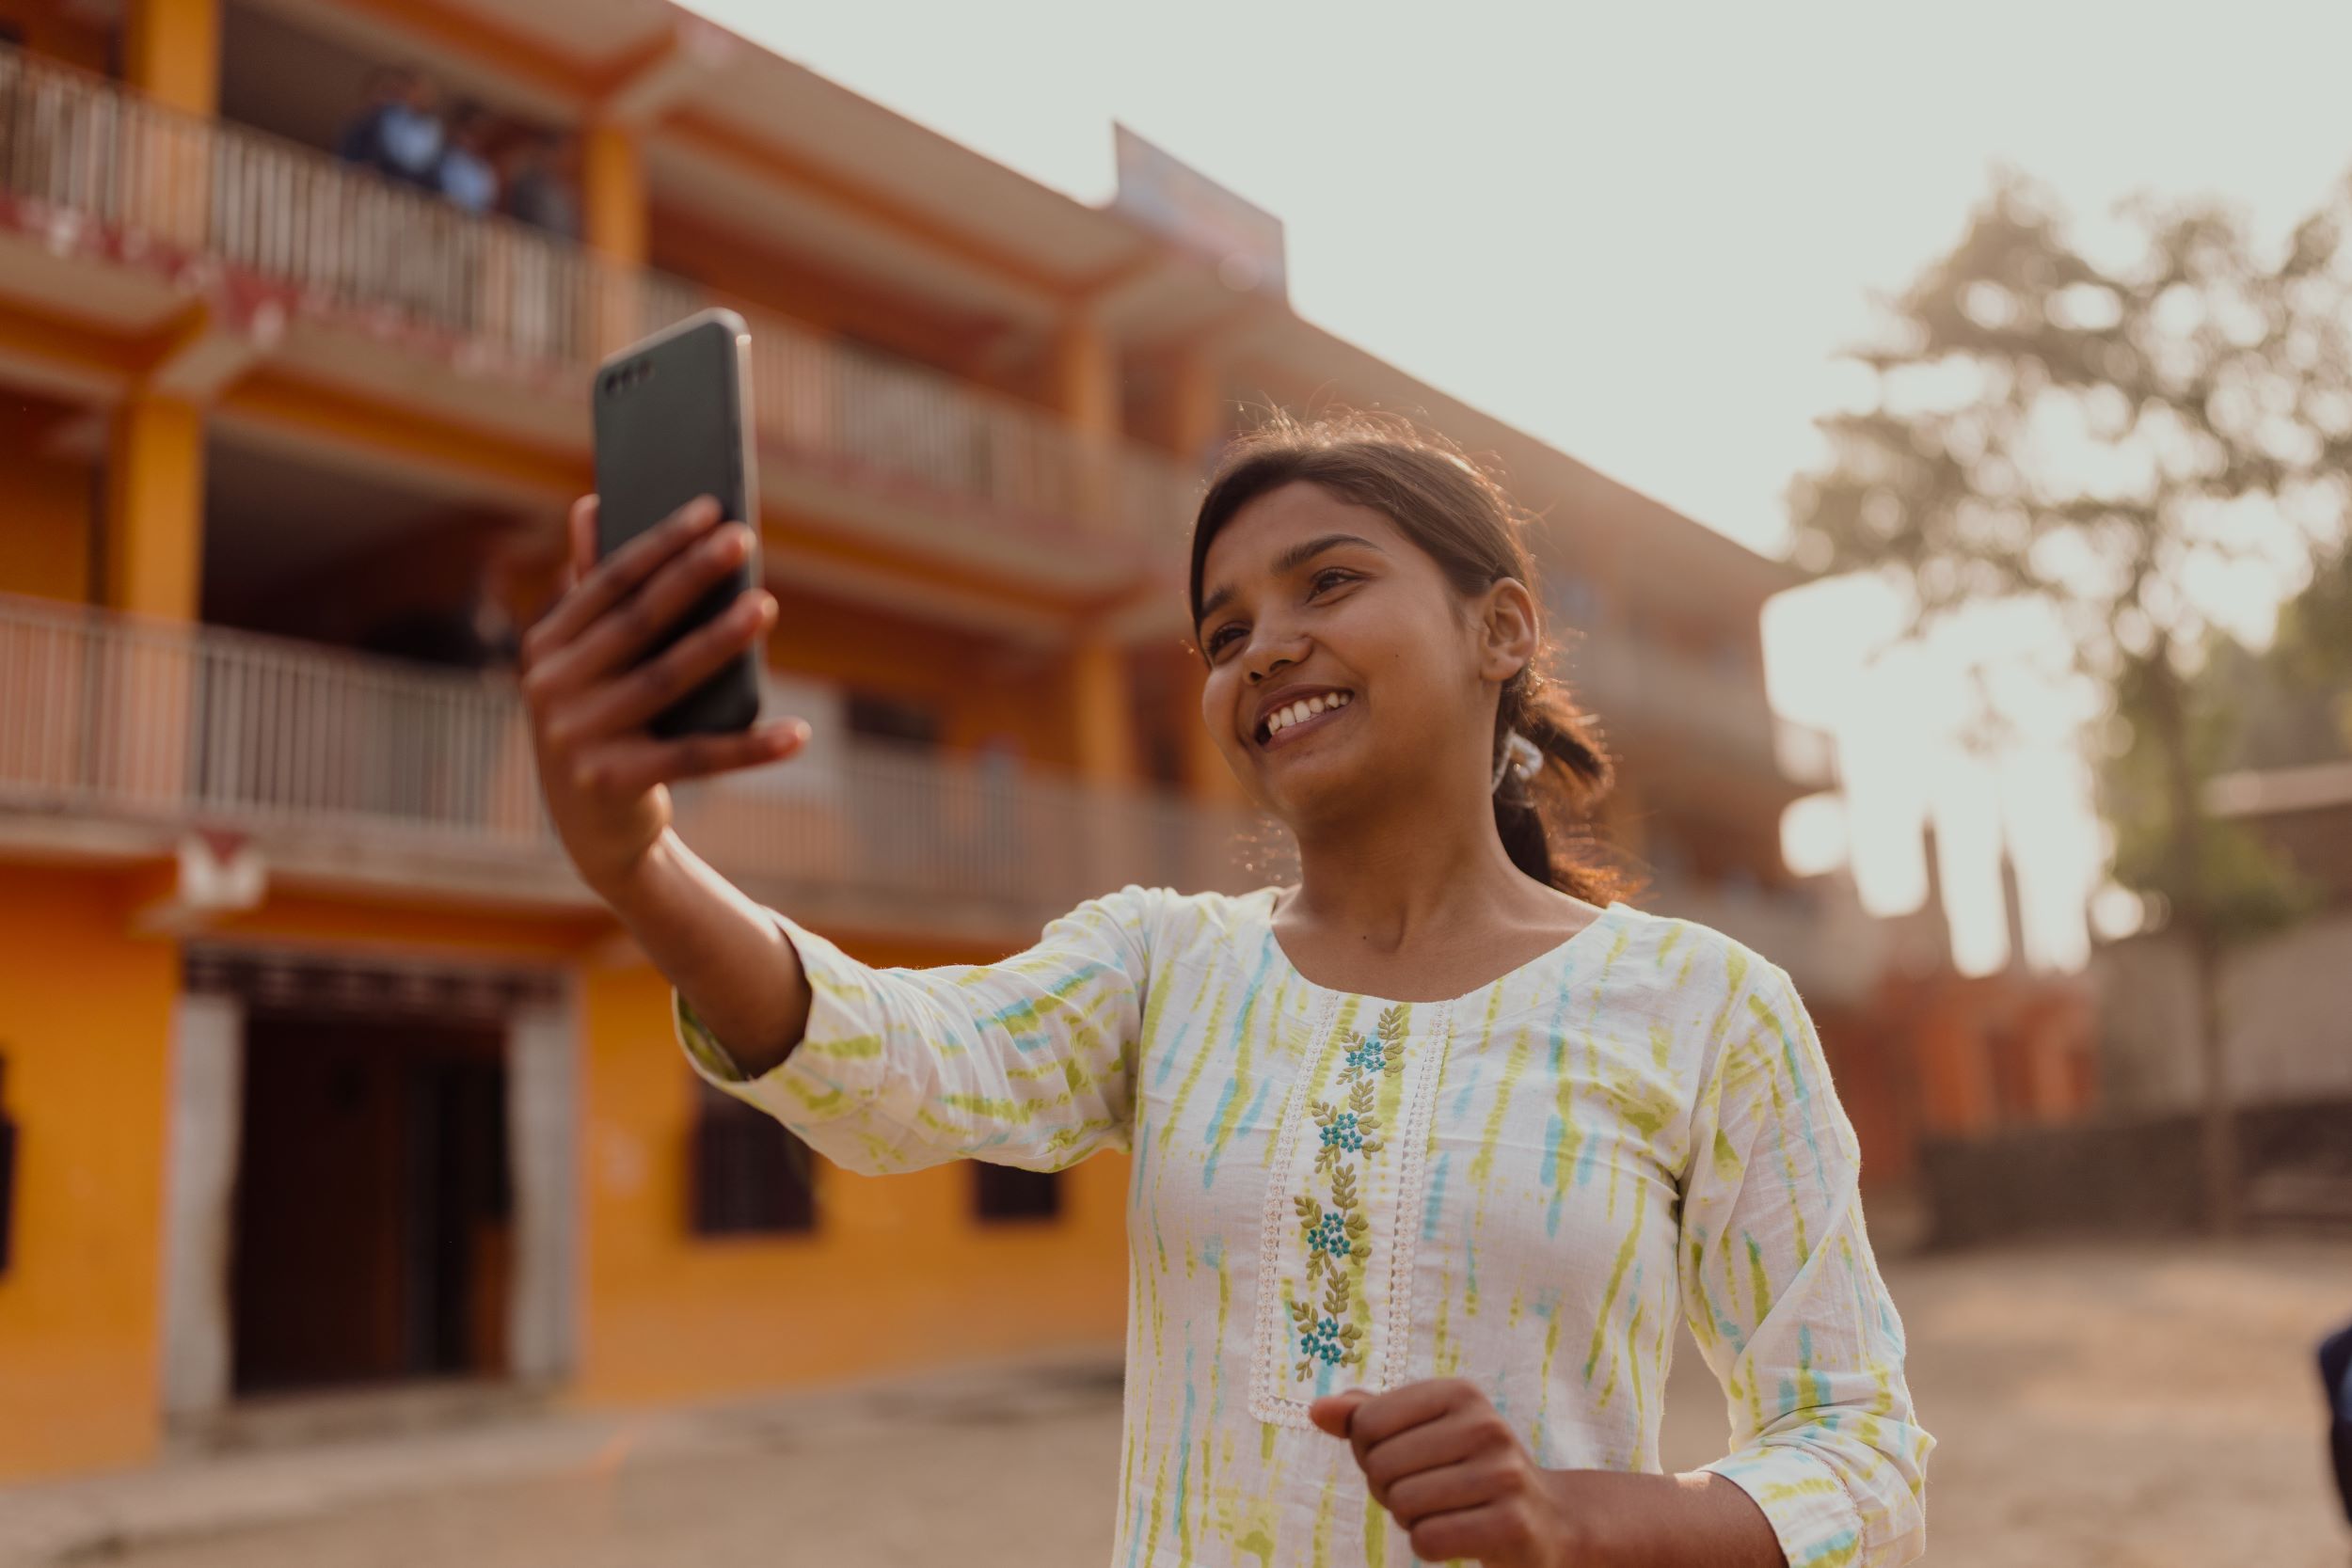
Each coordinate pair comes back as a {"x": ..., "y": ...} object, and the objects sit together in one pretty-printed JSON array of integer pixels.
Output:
[
  {"x": 581, "y": 529},
  {"x": 1332, "y": 1412}
]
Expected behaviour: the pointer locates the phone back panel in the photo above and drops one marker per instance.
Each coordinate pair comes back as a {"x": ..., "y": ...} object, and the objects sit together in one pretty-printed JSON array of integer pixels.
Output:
[{"x": 672, "y": 422}]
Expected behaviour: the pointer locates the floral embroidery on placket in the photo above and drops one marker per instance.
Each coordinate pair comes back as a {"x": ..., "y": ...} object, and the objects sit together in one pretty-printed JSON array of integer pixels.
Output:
[
  {"x": 1339, "y": 1239},
  {"x": 1342, "y": 1207}
]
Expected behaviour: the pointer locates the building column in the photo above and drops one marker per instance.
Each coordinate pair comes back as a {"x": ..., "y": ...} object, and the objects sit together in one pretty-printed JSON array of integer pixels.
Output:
[
  {"x": 613, "y": 221},
  {"x": 200, "y": 1196},
  {"x": 1196, "y": 417},
  {"x": 154, "y": 538},
  {"x": 542, "y": 1121},
  {"x": 171, "y": 53},
  {"x": 1086, "y": 377},
  {"x": 1086, "y": 393},
  {"x": 144, "y": 702},
  {"x": 613, "y": 191},
  {"x": 1103, "y": 708},
  {"x": 1955, "y": 1069}
]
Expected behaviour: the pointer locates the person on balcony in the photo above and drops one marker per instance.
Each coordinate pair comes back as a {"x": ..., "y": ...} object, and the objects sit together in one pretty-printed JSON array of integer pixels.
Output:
[
  {"x": 463, "y": 173},
  {"x": 538, "y": 191},
  {"x": 400, "y": 135},
  {"x": 1429, "y": 1151}
]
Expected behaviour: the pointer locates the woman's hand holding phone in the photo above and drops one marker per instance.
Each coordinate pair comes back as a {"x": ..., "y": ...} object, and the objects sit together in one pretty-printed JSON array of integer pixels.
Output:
[{"x": 603, "y": 775}]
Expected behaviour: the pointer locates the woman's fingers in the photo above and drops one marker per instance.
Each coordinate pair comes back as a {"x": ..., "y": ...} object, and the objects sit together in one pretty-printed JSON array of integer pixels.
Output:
[
  {"x": 632, "y": 763},
  {"x": 628, "y": 700},
  {"x": 1412, "y": 1499},
  {"x": 610, "y": 582},
  {"x": 1430, "y": 1446},
  {"x": 582, "y": 526},
  {"x": 620, "y": 638},
  {"x": 615, "y": 640}
]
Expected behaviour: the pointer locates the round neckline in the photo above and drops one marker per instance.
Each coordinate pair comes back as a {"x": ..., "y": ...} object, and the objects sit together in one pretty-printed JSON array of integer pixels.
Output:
[{"x": 1571, "y": 948}]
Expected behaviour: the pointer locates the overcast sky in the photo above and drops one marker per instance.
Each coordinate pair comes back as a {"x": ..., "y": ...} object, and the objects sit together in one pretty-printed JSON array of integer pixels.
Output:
[{"x": 1642, "y": 232}]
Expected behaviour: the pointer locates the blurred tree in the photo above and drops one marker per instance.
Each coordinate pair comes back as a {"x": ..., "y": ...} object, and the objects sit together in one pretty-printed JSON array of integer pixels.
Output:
[
  {"x": 2312, "y": 657},
  {"x": 2108, "y": 443}
]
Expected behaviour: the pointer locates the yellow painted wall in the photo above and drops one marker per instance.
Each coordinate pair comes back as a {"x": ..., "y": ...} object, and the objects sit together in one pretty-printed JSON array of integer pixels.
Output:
[
  {"x": 52, "y": 504},
  {"x": 897, "y": 1275},
  {"x": 85, "y": 1027}
]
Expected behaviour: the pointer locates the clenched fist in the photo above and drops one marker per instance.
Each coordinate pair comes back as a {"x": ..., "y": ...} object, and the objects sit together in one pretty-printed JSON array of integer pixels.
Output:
[{"x": 1448, "y": 1468}]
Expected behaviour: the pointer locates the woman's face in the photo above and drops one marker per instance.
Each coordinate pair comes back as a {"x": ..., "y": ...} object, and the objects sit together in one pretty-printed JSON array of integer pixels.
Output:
[{"x": 1341, "y": 660}]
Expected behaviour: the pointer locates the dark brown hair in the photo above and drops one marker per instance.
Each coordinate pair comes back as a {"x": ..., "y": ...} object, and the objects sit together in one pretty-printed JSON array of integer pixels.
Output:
[{"x": 1459, "y": 514}]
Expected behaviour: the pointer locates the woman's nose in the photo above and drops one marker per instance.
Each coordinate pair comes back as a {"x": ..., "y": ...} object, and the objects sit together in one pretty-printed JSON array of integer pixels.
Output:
[{"x": 1269, "y": 656}]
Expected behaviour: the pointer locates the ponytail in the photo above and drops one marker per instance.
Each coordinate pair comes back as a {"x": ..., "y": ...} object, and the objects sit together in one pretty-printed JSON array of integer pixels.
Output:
[{"x": 1549, "y": 794}]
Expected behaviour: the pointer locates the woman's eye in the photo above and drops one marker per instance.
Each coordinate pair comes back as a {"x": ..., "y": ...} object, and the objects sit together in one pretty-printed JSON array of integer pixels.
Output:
[
  {"x": 1221, "y": 636},
  {"x": 1331, "y": 577}
]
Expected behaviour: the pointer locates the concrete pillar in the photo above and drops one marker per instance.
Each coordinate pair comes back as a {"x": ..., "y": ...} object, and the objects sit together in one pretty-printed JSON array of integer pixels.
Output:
[
  {"x": 613, "y": 191},
  {"x": 613, "y": 221},
  {"x": 1956, "y": 1069},
  {"x": 1102, "y": 706},
  {"x": 171, "y": 53},
  {"x": 1086, "y": 377},
  {"x": 155, "y": 546},
  {"x": 542, "y": 1110},
  {"x": 199, "y": 1197},
  {"x": 1197, "y": 414},
  {"x": 1085, "y": 392},
  {"x": 152, "y": 555}
]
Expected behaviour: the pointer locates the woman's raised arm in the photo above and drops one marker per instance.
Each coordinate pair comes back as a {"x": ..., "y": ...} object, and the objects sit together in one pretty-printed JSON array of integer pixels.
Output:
[{"x": 1029, "y": 1062}]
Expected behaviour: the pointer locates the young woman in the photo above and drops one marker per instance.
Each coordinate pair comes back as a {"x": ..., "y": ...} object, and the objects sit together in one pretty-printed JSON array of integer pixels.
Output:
[{"x": 1430, "y": 1152}]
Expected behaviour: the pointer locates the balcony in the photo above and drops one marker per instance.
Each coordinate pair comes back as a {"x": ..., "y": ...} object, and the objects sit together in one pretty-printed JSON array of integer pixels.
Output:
[
  {"x": 121, "y": 737},
  {"x": 336, "y": 273}
]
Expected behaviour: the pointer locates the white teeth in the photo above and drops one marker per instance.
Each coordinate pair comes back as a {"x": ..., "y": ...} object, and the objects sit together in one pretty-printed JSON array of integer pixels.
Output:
[{"x": 1305, "y": 708}]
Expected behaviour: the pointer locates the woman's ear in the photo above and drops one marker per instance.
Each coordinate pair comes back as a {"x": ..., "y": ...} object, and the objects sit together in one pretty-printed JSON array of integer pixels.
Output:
[{"x": 1509, "y": 631}]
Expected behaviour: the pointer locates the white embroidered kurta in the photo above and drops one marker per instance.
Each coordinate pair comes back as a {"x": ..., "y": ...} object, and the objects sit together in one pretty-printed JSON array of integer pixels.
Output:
[{"x": 1525, "y": 1186}]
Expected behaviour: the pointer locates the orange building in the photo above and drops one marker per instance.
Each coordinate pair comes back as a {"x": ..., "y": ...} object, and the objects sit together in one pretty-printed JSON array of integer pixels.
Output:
[{"x": 324, "y": 1069}]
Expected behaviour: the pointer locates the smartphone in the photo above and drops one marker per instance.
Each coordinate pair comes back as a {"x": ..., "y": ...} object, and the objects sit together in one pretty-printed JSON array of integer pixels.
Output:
[{"x": 672, "y": 417}]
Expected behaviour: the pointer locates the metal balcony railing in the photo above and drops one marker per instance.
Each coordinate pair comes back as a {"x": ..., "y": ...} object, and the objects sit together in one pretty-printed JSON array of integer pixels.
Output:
[
  {"x": 320, "y": 751},
  {"x": 316, "y": 753},
  {"x": 94, "y": 167}
]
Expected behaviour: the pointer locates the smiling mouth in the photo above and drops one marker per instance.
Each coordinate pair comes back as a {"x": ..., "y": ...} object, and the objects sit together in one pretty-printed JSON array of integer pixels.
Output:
[{"x": 1292, "y": 718}]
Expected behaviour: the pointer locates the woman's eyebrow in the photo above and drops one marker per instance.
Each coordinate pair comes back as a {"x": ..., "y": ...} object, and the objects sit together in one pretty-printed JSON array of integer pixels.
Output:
[
  {"x": 1299, "y": 555},
  {"x": 1289, "y": 559}
]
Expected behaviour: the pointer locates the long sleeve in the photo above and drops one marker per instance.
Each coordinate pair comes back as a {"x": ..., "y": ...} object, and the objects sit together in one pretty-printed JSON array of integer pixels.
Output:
[
  {"x": 1027, "y": 1062},
  {"x": 1785, "y": 1299}
]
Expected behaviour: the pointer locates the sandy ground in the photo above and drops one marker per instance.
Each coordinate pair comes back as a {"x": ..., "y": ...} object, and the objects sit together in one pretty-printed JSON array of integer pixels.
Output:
[{"x": 2095, "y": 1407}]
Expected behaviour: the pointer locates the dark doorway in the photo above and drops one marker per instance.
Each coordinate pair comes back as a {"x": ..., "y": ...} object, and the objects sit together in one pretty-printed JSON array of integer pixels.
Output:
[
  {"x": 882, "y": 717},
  {"x": 374, "y": 1212}
]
